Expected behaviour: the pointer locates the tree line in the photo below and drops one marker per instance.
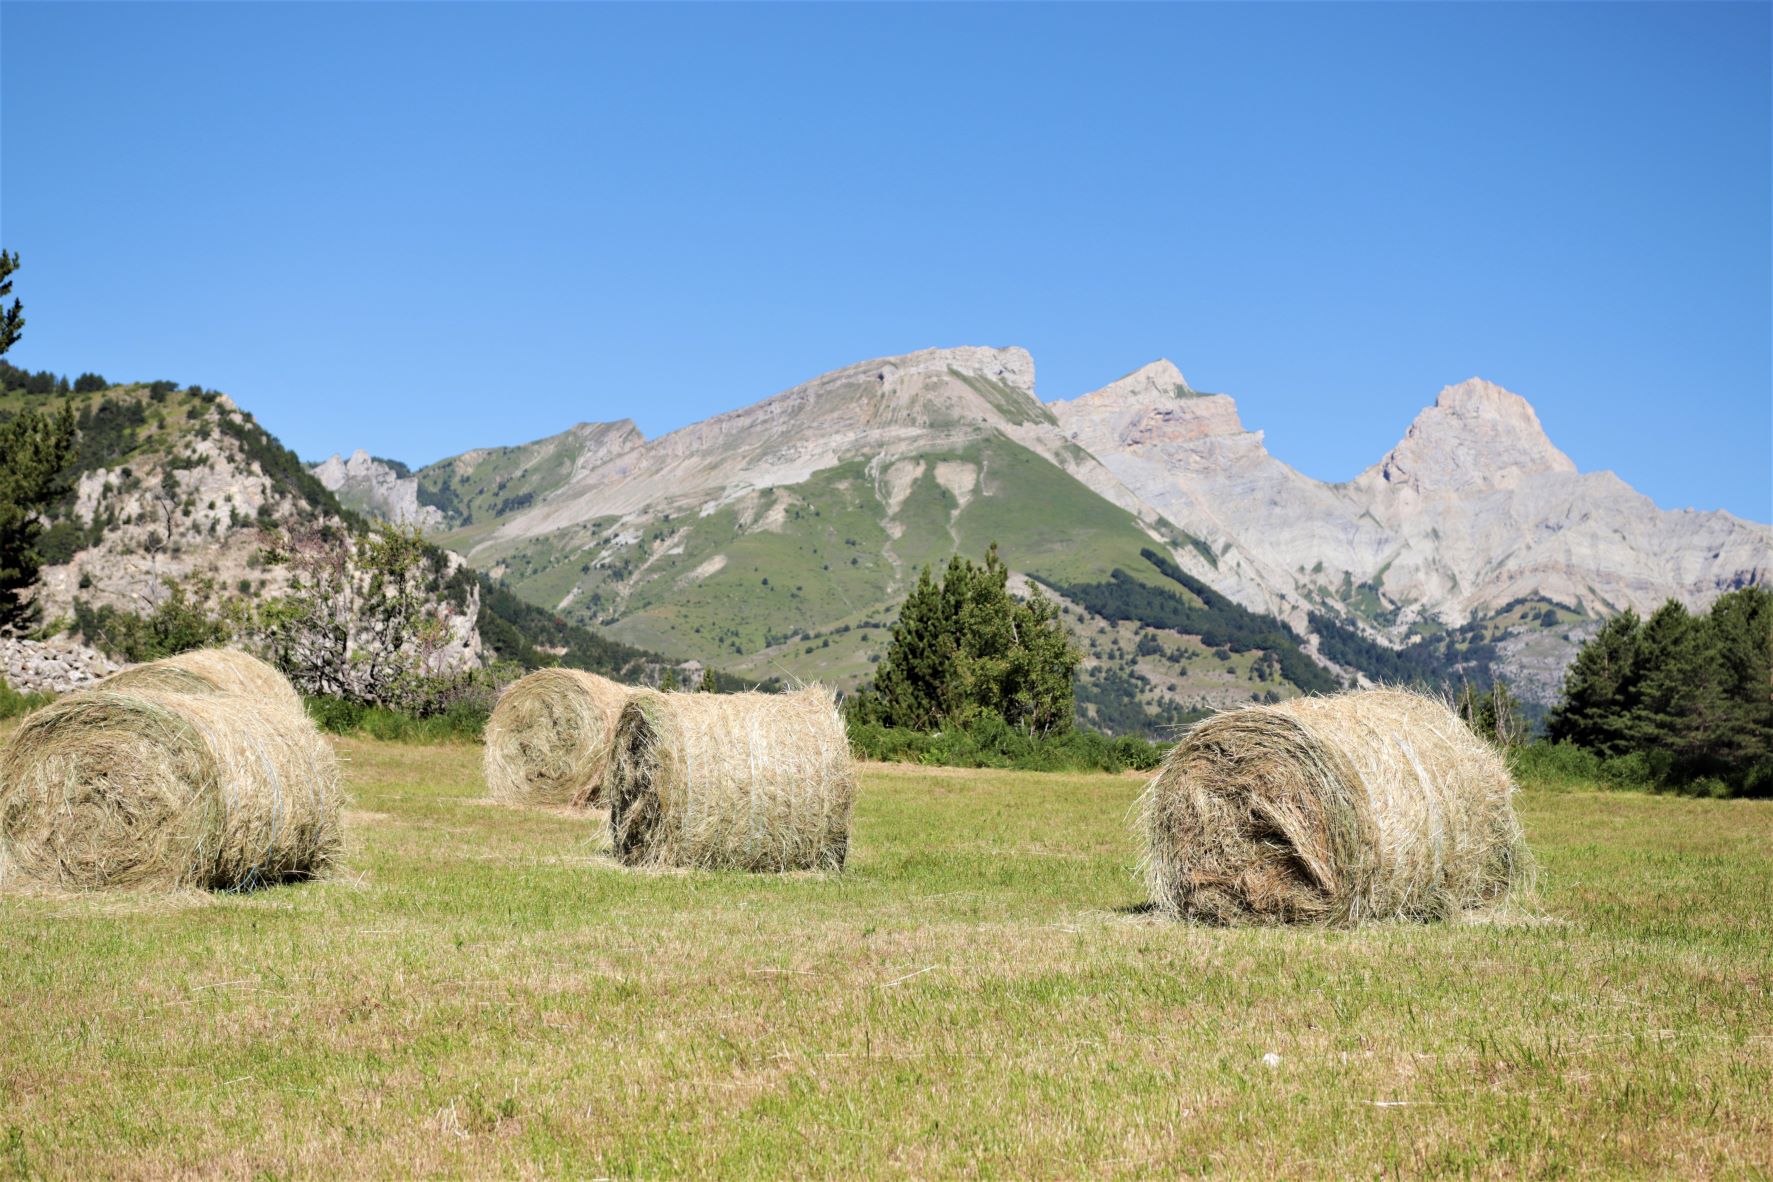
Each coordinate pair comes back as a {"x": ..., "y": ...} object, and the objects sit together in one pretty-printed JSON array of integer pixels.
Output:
[{"x": 1679, "y": 699}]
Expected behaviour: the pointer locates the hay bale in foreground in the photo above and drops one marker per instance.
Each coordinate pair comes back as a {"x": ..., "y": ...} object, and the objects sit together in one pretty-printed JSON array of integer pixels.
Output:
[
  {"x": 209, "y": 670},
  {"x": 550, "y": 737},
  {"x": 165, "y": 790},
  {"x": 737, "y": 781},
  {"x": 1333, "y": 810}
]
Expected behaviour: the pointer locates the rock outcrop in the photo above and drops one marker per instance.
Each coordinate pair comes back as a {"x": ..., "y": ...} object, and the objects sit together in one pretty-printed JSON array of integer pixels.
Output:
[
  {"x": 54, "y": 666},
  {"x": 376, "y": 488}
]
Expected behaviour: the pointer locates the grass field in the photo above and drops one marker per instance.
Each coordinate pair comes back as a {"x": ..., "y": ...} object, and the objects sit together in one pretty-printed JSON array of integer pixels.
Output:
[{"x": 484, "y": 992}]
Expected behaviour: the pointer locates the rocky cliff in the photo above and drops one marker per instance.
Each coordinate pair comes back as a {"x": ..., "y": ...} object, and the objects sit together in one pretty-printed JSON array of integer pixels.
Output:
[{"x": 377, "y": 488}]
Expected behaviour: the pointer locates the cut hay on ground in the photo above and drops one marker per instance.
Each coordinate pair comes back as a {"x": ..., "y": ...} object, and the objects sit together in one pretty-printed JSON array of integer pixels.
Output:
[
  {"x": 163, "y": 790},
  {"x": 549, "y": 739},
  {"x": 1337, "y": 810},
  {"x": 737, "y": 781},
  {"x": 207, "y": 670}
]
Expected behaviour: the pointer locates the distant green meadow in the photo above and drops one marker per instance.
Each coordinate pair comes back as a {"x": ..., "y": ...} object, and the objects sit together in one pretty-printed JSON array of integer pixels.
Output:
[{"x": 482, "y": 991}]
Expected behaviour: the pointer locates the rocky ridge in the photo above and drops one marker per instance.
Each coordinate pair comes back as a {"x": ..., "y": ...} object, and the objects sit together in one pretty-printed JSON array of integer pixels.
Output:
[
  {"x": 1473, "y": 513},
  {"x": 377, "y": 489}
]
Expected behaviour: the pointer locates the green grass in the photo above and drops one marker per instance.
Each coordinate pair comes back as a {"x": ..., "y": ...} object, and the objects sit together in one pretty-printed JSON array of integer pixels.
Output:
[{"x": 482, "y": 992}]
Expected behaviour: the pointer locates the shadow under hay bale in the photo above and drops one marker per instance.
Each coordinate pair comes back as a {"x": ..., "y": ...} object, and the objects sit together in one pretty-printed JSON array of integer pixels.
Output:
[
  {"x": 163, "y": 790},
  {"x": 550, "y": 737},
  {"x": 208, "y": 670},
  {"x": 732, "y": 781},
  {"x": 1337, "y": 810}
]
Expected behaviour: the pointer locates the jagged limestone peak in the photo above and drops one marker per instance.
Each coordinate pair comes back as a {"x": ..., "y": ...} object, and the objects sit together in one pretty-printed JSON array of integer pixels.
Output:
[
  {"x": 1476, "y": 435},
  {"x": 1153, "y": 404}
]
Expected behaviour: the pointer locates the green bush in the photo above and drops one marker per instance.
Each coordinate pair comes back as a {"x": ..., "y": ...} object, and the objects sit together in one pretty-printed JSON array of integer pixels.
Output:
[
  {"x": 14, "y": 702},
  {"x": 988, "y": 741},
  {"x": 462, "y": 722},
  {"x": 1558, "y": 767},
  {"x": 1562, "y": 767},
  {"x": 337, "y": 716}
]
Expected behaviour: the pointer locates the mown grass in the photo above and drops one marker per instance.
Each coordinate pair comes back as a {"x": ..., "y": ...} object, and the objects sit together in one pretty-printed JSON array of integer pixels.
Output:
[{"x": 482, "y": 992}]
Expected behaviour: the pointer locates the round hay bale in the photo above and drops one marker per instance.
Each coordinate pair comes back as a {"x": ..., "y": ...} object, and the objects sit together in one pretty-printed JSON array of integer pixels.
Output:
[
  {"x": 1334, "y": 810},
  {"x": 158, "y": 677},
  {"x": 550, "y": 736},
  {"x": 164, "y": 790},
  {"x": 737, "y": 781},
  {"x": 207, "y": 670}
]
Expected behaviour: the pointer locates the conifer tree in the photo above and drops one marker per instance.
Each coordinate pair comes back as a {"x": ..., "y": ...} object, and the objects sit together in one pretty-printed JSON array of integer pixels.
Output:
[
  {"x": 1602, "y": 690},
  {"x": 35, "y": 447},
  {"x": 1690, "y": 695},
  {"x": 1742, "y": 628},
  {"x": 966, "y": 648},
  {"x": 12, "y": 320}
]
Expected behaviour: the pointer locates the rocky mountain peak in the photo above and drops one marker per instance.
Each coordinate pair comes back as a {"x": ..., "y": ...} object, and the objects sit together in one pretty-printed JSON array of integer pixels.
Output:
[
  {"x": 1013, "y": 366},
  {"x": 1153, "y": 404},
  {"x": 1477, "y": 435},
  {"x": 1160, "y": 381}
]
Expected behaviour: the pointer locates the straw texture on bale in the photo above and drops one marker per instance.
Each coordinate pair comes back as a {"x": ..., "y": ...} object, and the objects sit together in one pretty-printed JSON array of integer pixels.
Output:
[
  {"x": 736, "y": 781},
  {"x": 1336, "y": 810},
  {"x": 550, "y": 736},
  {"x": 152, "y": 789},
  {"x": 209, "y": 670}
]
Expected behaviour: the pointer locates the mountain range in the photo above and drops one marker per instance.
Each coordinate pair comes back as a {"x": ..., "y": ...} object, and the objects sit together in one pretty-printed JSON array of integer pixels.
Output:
[{"x": 1196, "y": 569}]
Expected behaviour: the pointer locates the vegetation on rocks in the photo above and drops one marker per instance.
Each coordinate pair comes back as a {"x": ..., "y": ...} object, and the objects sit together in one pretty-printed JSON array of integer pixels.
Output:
[{"x": 1199, "y": 610}]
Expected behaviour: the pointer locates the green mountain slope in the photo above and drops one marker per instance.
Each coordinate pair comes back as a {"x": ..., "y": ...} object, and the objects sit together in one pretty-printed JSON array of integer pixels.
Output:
[{"x": 777, "y": 541}]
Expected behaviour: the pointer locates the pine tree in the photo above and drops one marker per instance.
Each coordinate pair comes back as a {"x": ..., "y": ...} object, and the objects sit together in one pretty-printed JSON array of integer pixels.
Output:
[
  {"x": 1680, "y": 707},
  {"x": 12, "y": 320},
  {"x": 911, "y": 688},
  {"x": 35, "y": 446},
  {"x": 1691, "y": 695},
  {"x": 966, "y": 648},
  {"x": 708, "y": 685},
  {"x": 1742, "y": 639},
  {"x": 1602, "y": 690}
]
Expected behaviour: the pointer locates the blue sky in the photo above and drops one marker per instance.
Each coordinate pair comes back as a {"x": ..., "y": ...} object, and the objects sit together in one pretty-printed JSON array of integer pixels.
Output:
[{"x": 421, "y": 228}]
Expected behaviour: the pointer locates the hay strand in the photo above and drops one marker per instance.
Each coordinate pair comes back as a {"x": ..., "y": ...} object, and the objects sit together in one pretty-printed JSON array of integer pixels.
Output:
[
  {"x": 1336, "y": 810},
  {"x": 733, "y": 781},
  {"x": 550, "y": 736},
  {"x": 162, "y": 790},
  {"x": 209, "y": 670}
]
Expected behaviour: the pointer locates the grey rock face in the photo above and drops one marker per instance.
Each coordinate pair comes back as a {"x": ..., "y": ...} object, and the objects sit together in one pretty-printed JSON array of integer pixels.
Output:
[
  {"x": 58, "y": 665},
  {"x": 366, "y": 484},
  {"x": 1472, "y": 509}
]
